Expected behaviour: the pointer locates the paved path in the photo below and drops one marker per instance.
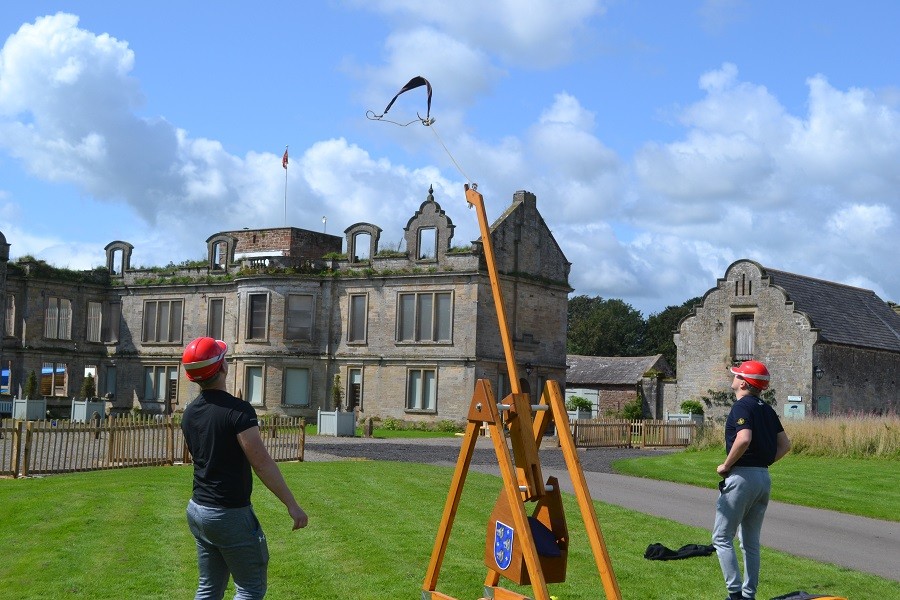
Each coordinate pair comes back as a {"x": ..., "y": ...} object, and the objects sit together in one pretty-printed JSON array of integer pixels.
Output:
[{"x": 866, "y": 545}]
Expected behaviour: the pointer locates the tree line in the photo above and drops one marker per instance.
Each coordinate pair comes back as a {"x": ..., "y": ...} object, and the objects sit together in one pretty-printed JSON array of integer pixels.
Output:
[{"x": 612, "y": 327}]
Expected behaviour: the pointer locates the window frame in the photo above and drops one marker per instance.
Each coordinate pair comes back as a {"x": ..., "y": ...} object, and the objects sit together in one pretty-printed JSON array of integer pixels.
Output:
[
  {"x": 247, "y": 384},
  {"x": 111, "y": 316},
  {"x": 94, "y": 322},
  {"x": 54, "y": 367},
  {"x": 55, "y": 314},
  {"x": 434, "y": 324},
  {"x": 739, "y": 322},
  {"x": 109, "y": 381},
  {"x": 170, "y": 383},
  {"x": 10, "y": 316},
  {"x": 307, "y": 391},
  {"x": 8, "y": 367},
  {"x": 415, "y": 402},
  {"x": 427, "y": 236},
  {"x": 348, "y": 393},
  {"x": 177, "y": 322},
  {"x": 288, "y": 319},
  {"x": 354, "y": 336},
  {"x": 210, "y": 329},
  {"x": 248, "y": 330}
]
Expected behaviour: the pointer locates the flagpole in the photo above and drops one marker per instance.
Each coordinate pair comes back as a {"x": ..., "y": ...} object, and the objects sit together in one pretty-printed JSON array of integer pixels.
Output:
[{"x": 284, "y": 163}]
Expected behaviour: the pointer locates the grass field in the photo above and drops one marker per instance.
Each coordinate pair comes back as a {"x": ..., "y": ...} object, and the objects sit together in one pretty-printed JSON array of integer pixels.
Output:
[
  {"x": 864, "y": 487},
  {"x": 122, "y": 534},
  {"x": 847, "y": 436}
]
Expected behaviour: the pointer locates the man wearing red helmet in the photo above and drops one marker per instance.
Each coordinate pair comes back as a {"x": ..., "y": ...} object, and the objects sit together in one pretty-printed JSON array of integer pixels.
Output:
[
  {"x": 754, "y": 439},
  {"x": 222, "y": 433}
]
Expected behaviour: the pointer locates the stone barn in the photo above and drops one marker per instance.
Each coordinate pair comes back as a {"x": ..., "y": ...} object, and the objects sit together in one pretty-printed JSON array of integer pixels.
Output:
[{"x": 831, "y": 348}]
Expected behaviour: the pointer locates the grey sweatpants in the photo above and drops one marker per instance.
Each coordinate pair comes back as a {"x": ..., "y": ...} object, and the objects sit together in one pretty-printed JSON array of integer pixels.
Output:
[{"x": 740, "y": 510}]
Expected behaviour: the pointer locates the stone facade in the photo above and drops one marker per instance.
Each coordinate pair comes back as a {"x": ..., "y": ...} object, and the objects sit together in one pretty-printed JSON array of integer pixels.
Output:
[
  {"x": 408, "y": 332},
  {"x": 826, "y": 355}
]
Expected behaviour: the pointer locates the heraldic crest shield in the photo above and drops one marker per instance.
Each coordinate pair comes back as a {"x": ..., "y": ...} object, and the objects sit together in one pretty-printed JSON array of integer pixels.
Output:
[{"x": 503, "y": 545}]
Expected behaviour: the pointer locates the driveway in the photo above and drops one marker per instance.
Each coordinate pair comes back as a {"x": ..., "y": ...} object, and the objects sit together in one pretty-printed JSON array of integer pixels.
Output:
[{"x": 866, "y": 545}]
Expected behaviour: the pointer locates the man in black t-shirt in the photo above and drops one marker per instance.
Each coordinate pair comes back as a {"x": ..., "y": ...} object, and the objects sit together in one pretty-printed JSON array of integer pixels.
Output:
[
  {"x": 222, "y": 434},
  {"x": 754, "y": 439}
]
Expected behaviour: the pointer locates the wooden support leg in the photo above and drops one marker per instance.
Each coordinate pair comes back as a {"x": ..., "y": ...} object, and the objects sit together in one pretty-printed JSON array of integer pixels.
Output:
[
  {"x": 453, "y": 497},
  {"x": 520, "y": 517},
  {"x": 579, "y": 483}
]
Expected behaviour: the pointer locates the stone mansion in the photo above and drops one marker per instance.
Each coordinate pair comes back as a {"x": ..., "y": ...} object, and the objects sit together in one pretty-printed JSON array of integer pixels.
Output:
[{"x": 408, "y": 332}]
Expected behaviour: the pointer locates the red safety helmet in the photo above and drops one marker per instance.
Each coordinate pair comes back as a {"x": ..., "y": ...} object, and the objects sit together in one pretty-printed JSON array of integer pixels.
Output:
[
  {"x": 753, "y": 372},
  {"x": 203, "y": 358}
]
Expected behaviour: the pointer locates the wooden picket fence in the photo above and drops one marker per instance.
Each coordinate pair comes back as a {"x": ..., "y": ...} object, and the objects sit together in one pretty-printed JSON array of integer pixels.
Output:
[
  {"x": 618, "y": 433},
  {"x": 61, "y": 446}
]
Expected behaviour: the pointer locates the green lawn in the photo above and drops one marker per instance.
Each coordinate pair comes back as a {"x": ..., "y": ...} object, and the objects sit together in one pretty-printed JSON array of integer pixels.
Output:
[
  {"x": 122, "y": 534},
  {"x": 864, "y": 487}
]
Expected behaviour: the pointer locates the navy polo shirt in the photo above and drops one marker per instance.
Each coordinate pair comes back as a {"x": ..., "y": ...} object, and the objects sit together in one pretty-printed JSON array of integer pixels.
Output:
[{"x": 752, "y": 413}]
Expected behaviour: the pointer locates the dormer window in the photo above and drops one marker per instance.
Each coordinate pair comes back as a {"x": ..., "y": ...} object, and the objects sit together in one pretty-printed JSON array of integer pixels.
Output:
[
  {"x": 427, "y": 246},
  {"x": 428, "y": 232}
]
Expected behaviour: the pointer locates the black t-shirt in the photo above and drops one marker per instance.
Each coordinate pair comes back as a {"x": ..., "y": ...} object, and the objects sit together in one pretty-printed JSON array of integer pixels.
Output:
[
  {"x": 211, "y": 423},
  {"x": 752, "y": 413}
]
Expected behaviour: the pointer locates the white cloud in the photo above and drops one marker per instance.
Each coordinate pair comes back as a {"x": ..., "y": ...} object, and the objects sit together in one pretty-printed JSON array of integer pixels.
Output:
[
  {"x": 814, "y": 193},
  {"x": 461, "y": 72},
  {"x": 860, "y": 224},
  {"x": 533, "y": 33}
]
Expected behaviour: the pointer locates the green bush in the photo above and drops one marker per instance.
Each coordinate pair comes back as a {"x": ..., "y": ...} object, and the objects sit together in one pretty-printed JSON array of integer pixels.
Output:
[
  {"x": 578, "y": 403},
  {"x": 633, "y": 411},
  {"x": 447, "y": 426},
  {"x": 31, "y": 387},
  {"x": 692, "y": 407},
  {"x": 392, "y": 424},
  {"x": 337, "y": 392},
  {"x": 88, "y": 388}
]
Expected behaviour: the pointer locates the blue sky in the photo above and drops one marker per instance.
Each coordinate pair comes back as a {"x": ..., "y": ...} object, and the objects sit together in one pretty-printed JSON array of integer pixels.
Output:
[{"x": 664, "y": 140}]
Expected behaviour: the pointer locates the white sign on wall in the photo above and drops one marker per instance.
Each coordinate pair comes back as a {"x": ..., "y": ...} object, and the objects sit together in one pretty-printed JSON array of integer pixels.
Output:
[{"x": 795, "y": 398}]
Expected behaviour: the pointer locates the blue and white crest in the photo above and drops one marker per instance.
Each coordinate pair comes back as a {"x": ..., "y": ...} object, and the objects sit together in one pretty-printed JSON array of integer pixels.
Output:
[{"x": 503, "y": 545}]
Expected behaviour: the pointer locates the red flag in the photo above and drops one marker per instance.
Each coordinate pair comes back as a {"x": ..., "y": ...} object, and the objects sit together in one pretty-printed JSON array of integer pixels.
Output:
[{"x": 284, "y": 159}]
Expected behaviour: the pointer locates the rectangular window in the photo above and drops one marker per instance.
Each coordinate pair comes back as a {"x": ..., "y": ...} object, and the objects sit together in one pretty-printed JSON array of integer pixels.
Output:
[
  {"x": 58, "y": 319},
  {"x": 357, "y": 329},
  {"x": 743, "y": 338},
  {"x": 10, "y": 315},
  {"x": 298, "y": 319},
  {"x": 427, "y": 243},
  {"x": 215, "y": 319},
  {"x": 425, "y": 317},
  {"x": 160, "y": 383},
  {"x": 354, "y": 389},
  {"x": 257, "y": 316},
  {"x": 420, "y": 389},
  {"x": 503, "y": 389},
  {"x": 54, "y": 379},
  {"x": 109, "y": 383},
  {"x": 5, "y": 378},
  {"x": 253, "y": 385},
  {"x": 162, "y": 321},
  {"x": 94, "y": 320},
  {"x": 296, "y": 386},
  {"x": 109, "y": 322}
]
